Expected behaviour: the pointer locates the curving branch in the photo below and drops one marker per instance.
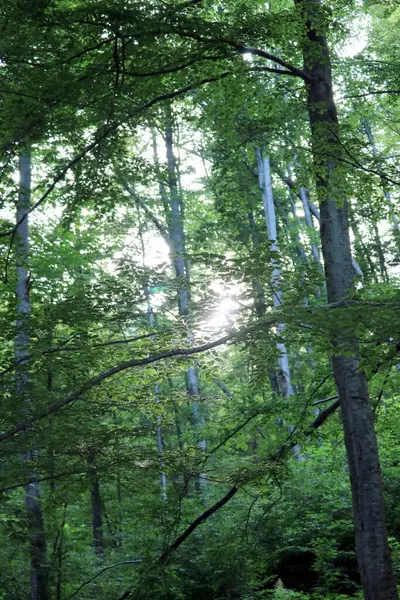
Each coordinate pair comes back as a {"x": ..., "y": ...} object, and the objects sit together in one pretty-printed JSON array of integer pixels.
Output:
[
  {"x": 124, "y": 562},
  {"x": 160, "y": 226},
  {"x": 321, "y": 418},
  {"x": 124, "y": 366},
  {"x": 104, "y": 133}
]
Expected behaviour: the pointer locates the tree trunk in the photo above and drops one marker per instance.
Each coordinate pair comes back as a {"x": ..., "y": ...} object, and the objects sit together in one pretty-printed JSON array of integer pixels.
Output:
[
  {"x": 363, "y": 254},
  {"x": 258, "y": 290},
  {"x": 36, "y": 534},
  {"x": 177, "y": 237},
  {"x": 264, "y": 176},
  {"x": 97, "y": 518},
  {"x": 372, "y": 548},
  {"x": 309, "y": 224},
  {"x": 379, "y": 251}
]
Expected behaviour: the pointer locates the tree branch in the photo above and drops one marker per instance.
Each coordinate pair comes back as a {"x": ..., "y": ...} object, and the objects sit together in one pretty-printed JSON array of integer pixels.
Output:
[
  {"x": 164, "y": 557},
  {"x": 77, "y": 348},
  {"x": 194, "y": 524},
  {"x": 174, "y": 68},
  {"x": 234, "y": 489},
  {"x": 15, "y": 486},
  {"x": 123, "y": 366},
  {"x": 322, "y": 417},
  {"x": 272, "y": 70},
  {"x": 124, "y": 562},
  {"x": 102, "y": 135},
  {"x": 241, "y": 48},
  {"x": 362, "y": 95},
  {"x": 160, "y": 226}
]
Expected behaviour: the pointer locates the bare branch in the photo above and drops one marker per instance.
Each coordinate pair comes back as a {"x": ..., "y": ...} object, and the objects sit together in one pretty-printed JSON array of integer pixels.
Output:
[
  {"x": 322, "y": 417},
  {"x": 77, "y": 348},
  {"x": 241, "y": 48},
  {"x": 373, "y": 93},
  {"x": 124, "y": 562},
  {"x": 194, "y": 524},
  {"x": 234, "y": 489},
  {"x": 57, "y": 476},
  {"x": 174, "y": 68},
  {"x": 272, "y": 70},
  {"x": 317, "y": 402}
]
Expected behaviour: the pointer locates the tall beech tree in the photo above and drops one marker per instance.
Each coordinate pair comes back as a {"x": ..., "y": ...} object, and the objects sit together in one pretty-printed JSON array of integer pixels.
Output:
[
  {"x": 373, "y": 554},
  {"x": 33, "y": 495}
]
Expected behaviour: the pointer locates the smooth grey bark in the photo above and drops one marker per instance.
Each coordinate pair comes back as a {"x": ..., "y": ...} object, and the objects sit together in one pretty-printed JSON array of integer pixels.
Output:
[
  {"x": 284, "y": 375},
  {"x": 151, "y": 318},
  {"x": 380, "y": 252},
  {"x": 315, "y": 212},
  {"x": 309, "y": 223},
  {"x": 177, "y": 238},
  {"x": 223, "y": 387},
  {"x": 119, "y": 491},
  {"x": 373, "y": 554},
  {"x": 294, "y": 235},
  {"x": 60, "y": 554},
  {"x": 33, "y": 502},
  {"x": 175, "y": 226},
  {"x": 161, "y": 184},
  {"x": 258, "y": 290},
  {"x": 264, "y": 178}
]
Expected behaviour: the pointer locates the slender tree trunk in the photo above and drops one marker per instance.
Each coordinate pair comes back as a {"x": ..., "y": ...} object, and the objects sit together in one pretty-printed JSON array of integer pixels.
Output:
[
  {"x": 264, "y": 176},
  {"x": 284, "y": 375},
  {"x": 258, "y": 290},
  {"x": 309, "y": 224},
  {"x": 97, "y": 513},
  {"x": 59, "y": 554},
  {"x": 293, "y": 235},
  {"x": 372, "y": 548},
  {"x": 151, "y": 318},
  {"x": 36, "y": 534},
  {"x": 379, "y": 251},
  {"x": 314, "y": 210},
  {"x": 177, "y": 237},
  {"x": 363, "y": 254}
]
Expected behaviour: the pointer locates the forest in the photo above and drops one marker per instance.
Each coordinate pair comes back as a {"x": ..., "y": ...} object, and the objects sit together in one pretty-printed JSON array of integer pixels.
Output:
[{"x": 199, "y": 299}]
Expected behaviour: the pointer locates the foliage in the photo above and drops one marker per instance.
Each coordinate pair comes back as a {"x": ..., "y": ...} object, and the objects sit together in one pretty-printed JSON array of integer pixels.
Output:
[{"x": 91, "y": 89}]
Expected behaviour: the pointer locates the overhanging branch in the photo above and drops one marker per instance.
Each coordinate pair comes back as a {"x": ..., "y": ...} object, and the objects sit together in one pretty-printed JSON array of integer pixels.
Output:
[
  {"x": 105, "y": 133},
  {"x": 321, "y": 418},
  {"x": 124, "y": 366}
]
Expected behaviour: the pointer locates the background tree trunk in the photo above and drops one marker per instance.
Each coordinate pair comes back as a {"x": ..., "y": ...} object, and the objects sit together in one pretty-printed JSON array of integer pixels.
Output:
[
  {"x": 177, "y": 238},
  {"x": 33, "y": 502},
  {"x": 264, "y": 177}
]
